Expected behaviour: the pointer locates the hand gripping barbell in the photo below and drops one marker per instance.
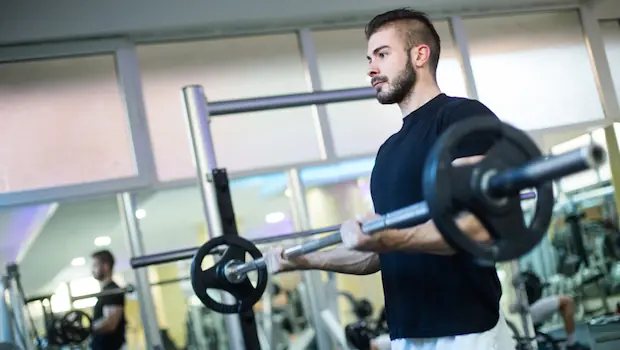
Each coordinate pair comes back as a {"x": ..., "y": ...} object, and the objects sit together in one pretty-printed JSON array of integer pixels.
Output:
[{"x": 489, "y": 189}]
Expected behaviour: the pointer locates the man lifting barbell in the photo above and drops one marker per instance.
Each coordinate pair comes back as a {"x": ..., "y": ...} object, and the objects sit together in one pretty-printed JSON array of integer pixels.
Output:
[
  {"x": 451, "y": 156},
  {"x": 435, "y": 298}
]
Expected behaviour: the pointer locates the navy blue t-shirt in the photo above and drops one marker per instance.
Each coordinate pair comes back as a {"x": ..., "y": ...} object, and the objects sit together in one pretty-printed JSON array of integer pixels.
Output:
[{"x": 429, "y": 295}]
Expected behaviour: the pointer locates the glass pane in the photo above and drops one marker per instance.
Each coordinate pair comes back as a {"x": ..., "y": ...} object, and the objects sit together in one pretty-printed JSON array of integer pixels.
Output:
[
  {"x": 611, "y": 38},
  {"x": 174, "y": 219},
  {"x": 579, "y": 180},
  {"x": 63, "y": 122},
  {"x": 232, "y": 68},
  {"x": 342, "y": 64},
  {"x": 335, "y": 193},
  {"x": 533, "y": 70},
  {"x": 58, "y": 259}
]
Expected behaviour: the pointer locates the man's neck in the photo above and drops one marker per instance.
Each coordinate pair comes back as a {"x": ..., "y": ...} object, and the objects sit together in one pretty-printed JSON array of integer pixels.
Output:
[
  {"x": 421, "y": 93},
  {"x": 105, "y": 281}
]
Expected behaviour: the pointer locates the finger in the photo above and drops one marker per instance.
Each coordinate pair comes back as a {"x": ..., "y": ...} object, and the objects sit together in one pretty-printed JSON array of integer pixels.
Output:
[
  {"x": 467, "y": 160},
  {"x": 349, "y": 232}
]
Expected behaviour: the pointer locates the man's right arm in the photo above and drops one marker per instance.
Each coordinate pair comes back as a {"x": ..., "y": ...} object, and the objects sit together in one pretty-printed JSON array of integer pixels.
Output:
[{"x": 339, "y": 260}]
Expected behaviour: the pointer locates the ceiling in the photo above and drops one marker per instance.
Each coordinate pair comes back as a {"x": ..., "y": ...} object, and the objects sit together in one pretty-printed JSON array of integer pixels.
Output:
[{"x": 65, "y": 19}]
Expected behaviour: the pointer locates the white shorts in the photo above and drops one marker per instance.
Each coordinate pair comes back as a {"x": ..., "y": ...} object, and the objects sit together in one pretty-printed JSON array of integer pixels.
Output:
[
  {"x": 544, "y": 308},
  {"x": 499, "y": 337}
]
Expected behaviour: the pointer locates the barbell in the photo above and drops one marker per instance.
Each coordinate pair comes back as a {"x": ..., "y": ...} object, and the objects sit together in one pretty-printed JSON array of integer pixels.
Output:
[{"x": 489, "y": 189}]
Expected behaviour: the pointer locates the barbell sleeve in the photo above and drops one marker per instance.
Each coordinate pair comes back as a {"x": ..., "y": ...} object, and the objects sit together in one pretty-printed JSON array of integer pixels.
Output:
[
  {"x": 507, "y": 182},
  {"x": 541, "y": 170}
]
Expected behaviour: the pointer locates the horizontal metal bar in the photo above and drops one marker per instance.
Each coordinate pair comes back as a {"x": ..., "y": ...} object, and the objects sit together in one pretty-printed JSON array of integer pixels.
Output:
[
  {"x": 104, "y": 293},
  {"x": 171, "y": 281},
  {"x": 188, "y": 253},
  {"x": 288, "y": 101},
  {"x": 47, "y": 51},
  {"x": 411, "y": 215},
  {"x": 73, "y": 192}
]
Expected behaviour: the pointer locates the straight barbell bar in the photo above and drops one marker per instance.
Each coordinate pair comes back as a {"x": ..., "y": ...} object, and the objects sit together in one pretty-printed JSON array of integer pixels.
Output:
[
  {"x": 188, "y": 253},
  {"x": 489, "y": 189}
]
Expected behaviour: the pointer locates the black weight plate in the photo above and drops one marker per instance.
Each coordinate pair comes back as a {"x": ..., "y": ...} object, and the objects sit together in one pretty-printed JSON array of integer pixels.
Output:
[
  {"x": 54, "y": 333},
  {"x": 76, "y": 326},
  {"x": 450, "y": 190},
  {"x": 245, "y": 293}
]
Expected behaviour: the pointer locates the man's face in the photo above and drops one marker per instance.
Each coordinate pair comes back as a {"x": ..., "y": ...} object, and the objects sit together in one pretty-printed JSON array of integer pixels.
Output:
[
  {"x": 99, "y": 269},
  {"x": 390, "y": 68}
]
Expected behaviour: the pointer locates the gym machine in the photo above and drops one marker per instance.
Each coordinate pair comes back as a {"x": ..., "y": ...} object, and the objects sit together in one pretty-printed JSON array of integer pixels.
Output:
[{"x": 490, "y": 189}]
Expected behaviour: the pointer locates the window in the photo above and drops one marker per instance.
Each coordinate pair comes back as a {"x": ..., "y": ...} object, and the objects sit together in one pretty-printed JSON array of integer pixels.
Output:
[
  {"x": 174, "y": 218},
  {"x": 63, "y": 122},
  {"x": 231, "y": 68},
  {"x": 360, "y": 127},
  {"x": 533, "y": 70}
]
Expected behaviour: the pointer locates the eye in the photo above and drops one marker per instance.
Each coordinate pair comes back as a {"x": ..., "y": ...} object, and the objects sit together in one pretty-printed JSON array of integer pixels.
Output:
[{"x": 383, "y": 54}]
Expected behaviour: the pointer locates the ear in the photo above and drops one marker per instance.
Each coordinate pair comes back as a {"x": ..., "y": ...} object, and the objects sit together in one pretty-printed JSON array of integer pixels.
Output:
[{"x": 420, "y": 54}]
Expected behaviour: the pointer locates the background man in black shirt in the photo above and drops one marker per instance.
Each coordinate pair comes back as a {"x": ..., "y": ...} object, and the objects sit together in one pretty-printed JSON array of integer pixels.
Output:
[
  {"x": 435, "y": 298},
  {"x": 109, "y": 314}
]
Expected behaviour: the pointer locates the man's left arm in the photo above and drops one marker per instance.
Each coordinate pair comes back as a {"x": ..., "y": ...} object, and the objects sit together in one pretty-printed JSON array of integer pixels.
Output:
[
  {"x": 112, "y": 315},
  {"x": 426, "y": 238}
]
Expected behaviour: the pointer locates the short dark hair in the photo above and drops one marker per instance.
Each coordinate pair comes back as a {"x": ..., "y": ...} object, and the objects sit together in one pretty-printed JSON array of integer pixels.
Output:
[
  {"x": 105, "y": 257},
  {"x": 415, "y": 27}
]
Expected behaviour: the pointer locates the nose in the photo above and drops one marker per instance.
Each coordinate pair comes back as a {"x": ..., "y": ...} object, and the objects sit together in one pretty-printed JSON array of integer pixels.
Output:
[{"x": 373, "y": 70}]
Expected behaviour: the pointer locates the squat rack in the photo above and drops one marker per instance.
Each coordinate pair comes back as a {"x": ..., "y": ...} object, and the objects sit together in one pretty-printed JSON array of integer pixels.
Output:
[{"x": 241, "y": 335}]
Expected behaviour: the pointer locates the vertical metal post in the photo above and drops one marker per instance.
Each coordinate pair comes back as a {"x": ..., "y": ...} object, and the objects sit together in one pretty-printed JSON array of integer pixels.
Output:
[
  {"x": 199, "y": 335},
  {"x": 267, "y": 317},
  {"x": 600, "y": 64},
  {"x": 126, "y": 203},
  {"x": 312, "y": 279},
  {"x": 6, "y": 334},
  {"x": 198, "y": 121},
  {"x": 17, "y": 305},
  {"x": 459, "y": 34},
  {"x": 521, "y": 303},
  {"x": 308, "y": 54}
]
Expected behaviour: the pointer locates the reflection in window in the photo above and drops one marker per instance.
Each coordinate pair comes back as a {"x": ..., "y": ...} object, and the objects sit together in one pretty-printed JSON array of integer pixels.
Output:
[
  {"x": 337, "y": 192},
  {"x": 360, "y": 127},
  {"x": 174, "y": 218},
  {"x": 533, "y": 70}
]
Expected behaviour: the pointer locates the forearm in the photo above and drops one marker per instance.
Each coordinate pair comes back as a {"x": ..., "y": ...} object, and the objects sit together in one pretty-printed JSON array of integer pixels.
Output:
[
  {"x": 424, "y": 238},
  {"x": 103, "y": 325},
  {"x": 339, "y": 259}
]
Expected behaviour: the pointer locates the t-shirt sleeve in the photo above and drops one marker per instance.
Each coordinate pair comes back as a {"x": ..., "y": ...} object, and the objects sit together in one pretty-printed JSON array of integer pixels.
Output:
[
  {"x": 477, "y": 144},
  {"x": 117, "y": 300}
]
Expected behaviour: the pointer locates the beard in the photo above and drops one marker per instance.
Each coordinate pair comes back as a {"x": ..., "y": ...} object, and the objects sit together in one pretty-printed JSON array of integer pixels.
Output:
[{"x": 400, "y": 87}]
